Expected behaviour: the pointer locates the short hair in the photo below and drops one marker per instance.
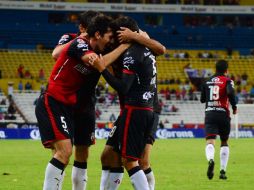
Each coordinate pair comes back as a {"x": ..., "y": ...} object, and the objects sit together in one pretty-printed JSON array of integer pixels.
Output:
[
  {"x": 124, "y": 21},
  {"x": 100, "y": 23},
  {"x": 221, "y": 66},
  {"x": 86, "y": 17}
]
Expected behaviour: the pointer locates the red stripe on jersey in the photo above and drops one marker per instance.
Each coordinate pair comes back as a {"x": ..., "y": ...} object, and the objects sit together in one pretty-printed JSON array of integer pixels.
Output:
[
  {"x": 138, "y": 108},
  {"x": 128, "y": 72},
  {"x": 125, "y": 134},
  {"x": 48, "y": 144},
  {"x": 209, "y": 135},
  {"x": 58, "y": 134},
  {"x": 133, "y": 158}
]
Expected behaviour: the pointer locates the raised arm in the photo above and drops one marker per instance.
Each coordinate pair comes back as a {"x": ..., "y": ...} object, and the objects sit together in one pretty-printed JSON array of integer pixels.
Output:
[
  {"x": 108, "y": 58},
  {"x": 126, "y": 35},
  {"x": 120, "y": 85}
]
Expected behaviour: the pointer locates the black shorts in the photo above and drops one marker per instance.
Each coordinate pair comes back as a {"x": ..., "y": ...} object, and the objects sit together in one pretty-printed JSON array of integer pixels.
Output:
[
  {"x": 217, "y": 124},
  {"x": 54, "y": 119},
  {"x": 151, "y": 137},
  {"x": 113, "y": 135},
  {"x": 84, "y": 127},
  {"x": 134, "y": 129}
]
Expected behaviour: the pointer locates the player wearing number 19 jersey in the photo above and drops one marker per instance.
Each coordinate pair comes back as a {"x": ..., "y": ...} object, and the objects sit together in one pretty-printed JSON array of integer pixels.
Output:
[{"x": 217, "y": 92}]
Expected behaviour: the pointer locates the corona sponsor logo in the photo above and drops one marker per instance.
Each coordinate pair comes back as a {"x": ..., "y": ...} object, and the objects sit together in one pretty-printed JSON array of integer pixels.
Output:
[
  {"x": 165, "y": 134},
  {"x": 2, "y": 135},
  {"x": 35, "y": 134}
]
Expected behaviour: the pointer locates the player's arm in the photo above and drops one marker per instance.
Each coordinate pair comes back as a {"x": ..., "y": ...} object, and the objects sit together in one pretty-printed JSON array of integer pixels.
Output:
[
  {"x": 126, "y": 35},
  {"x": 203, "y": 94},
  {"x": 64, "y": 40},
  {"x": 122, "y": 85},
  {"x": 108, "y": 58},
  {"x": 231, "y": 95}
]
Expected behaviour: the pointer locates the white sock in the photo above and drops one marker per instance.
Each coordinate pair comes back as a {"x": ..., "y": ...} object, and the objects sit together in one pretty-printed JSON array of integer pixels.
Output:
[
  {"x": 224, "y": 155},
  {"x": 61, "y": 182},
  {"x": 53, "y": 176},
  {"x": 104, "y": 178},
  {"x": 139, "y": 181},
  {"x": 150, "y": 178},
  {"x": 115, "y": 178},
  {"x": 79, "y": 178},
  {"x": 209, "y": 150}
]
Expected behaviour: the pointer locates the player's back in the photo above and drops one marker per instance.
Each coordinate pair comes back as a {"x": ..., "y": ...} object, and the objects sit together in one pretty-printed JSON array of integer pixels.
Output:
[
  {"x": 214, "y": 94},
  {"x": 140, "y": 60}
]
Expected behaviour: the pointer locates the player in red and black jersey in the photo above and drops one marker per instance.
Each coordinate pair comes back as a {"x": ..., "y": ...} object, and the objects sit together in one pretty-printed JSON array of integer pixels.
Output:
[
  {"x": 112, "y": 171},
  {"x": 55, "y": 107},
  {"x": 216, "y": 93},
  {"x": 138, "y": 85},
  {"x": 84, "y": 112}
]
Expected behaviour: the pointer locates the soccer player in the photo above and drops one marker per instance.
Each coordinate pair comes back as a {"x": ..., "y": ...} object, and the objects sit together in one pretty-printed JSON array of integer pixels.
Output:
[
  {"x": 138, "y": 85},
  {"x": 112, "y": 172},
  {"x": 216, "y": 93},
  {"x": 55, "y": 106},
  {"x": 84, "y": 112}
]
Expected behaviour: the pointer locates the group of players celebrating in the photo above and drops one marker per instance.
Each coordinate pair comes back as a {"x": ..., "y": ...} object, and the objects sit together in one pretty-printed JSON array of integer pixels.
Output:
[{"x": 125, "y": 56}]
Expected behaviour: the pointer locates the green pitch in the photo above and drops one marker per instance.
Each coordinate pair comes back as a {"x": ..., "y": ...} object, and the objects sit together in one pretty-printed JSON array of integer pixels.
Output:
[{"x": 178, "y": 164}]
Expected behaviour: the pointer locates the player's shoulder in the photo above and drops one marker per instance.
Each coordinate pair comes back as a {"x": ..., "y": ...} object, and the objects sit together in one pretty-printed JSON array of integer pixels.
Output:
[
  {"x": 135, "y": 51},
  {"x": 65, "y": 38},
  {"x": 80, "y": 43}
]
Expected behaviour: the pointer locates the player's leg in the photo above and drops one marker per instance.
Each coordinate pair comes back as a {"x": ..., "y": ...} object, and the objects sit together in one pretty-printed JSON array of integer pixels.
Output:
[
  {"x": 105, "y": 163},
  {"x": 211, "y": 130},
  {"x": 224, "y": 149},
  {"x": 79, "y": 169},
  {"x": 146, "y": 167},
  {"x": 112, "y": 170},
  {"x": 136, "y": 174},
  {"x": 116, "y": 170},
  {"x": 145, "y": 158},
  {"x": 54, "y": 173},
  {"x": 84, "y": 128},
  {"x": 55, "y": 128},
  {"x": 132, "y": 142}
]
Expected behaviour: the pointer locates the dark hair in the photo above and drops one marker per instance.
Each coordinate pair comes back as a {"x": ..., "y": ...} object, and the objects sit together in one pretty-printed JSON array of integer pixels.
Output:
[
  {"x": 124, "y": 21},
  {"x": 86, "y": 17},
  {"x": 100, "y": 23},
  {"x": 221, "y": 66}
]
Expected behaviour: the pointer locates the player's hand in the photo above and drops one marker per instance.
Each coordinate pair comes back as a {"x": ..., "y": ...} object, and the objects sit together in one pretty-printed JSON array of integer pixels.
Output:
[
  {"x": 143, "y": 33},
  {"x": 126, "y": 35},
  {"x": 98, "y": 63},
  {"x": 91, "y": 58}
]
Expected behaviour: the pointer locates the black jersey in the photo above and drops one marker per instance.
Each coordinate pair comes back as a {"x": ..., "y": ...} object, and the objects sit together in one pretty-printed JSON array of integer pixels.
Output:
[
  {"x": 138, "y": 82},
  {"x": 217, "y": 92}
]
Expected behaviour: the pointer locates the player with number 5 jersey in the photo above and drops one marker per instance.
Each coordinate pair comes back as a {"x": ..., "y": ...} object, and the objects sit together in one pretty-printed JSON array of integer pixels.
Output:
[{"x": 217, "y": 92}]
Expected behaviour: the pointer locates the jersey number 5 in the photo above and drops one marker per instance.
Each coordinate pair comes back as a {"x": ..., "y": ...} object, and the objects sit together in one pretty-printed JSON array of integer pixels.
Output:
[{"x": 214, "y": 92}]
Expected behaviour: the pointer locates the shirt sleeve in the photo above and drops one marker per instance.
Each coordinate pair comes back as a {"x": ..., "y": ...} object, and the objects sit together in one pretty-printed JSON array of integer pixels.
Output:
[
  {"x": 123, "y": 85},
  {"x": 79, "y": 48},
  {"x": 203, "y": 93},
  {"x": 66, "y": 38},
  {"x": 231, "y": 93}
]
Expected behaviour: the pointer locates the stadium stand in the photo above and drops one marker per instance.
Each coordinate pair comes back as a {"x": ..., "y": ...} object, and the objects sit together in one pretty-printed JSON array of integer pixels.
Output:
[
  {"x": 194, "y": 42},
  {"x": 8, "y": 116},
  {"x": 26, "y": 101}
]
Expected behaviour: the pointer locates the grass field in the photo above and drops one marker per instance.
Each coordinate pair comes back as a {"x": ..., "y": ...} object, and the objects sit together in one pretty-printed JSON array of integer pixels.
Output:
[{"x": 178, "y": 164}]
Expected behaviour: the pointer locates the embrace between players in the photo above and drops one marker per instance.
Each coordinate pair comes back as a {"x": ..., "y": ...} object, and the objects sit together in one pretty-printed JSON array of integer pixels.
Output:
[{"x": 66, "y": 110}]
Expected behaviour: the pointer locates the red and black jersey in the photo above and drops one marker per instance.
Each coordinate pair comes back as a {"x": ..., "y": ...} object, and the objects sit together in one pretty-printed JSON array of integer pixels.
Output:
[
  {"x": 67, "y": 38},
  {"x": 217, "y": 92},
  {"x": 70, "y": 74},
  {"x": 138, "y": 81}
]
